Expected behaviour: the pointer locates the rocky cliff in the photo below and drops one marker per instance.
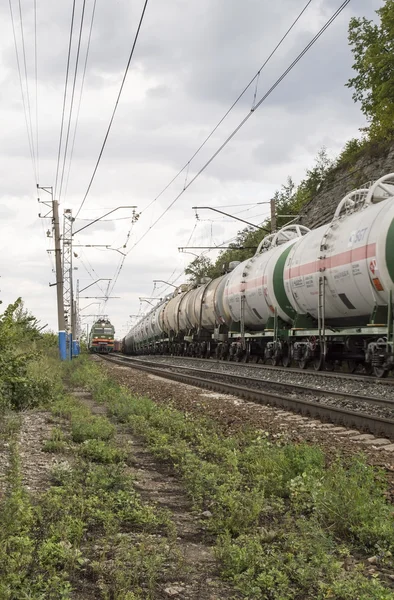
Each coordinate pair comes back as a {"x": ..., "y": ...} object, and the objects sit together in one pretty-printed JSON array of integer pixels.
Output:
[{"x": 372, "y": 164}]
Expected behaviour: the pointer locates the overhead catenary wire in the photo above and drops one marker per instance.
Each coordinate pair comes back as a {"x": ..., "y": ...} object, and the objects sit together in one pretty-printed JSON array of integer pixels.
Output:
[
  {"x": 80, "y": 96},
  {"x": 36, "y": 89},
  {"x": 229, "y": 110},
  {"x": 160, "y": 287},
  {"x": 115, "y": 108},
  {"x": 119, "y": 268},
  {"x": 72, "y": 97},
  {"x": 64, "y": 97},
  {"x": 245, "y": 119},
  {"x": 30, "y": 140},
  {"x": 27, "y": 86},
  {"x": 92, "y": 273},
  {"x": 187, "y": 165}
]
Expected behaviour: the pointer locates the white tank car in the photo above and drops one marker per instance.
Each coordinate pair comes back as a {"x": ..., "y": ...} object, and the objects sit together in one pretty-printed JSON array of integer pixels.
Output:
[
  {"x": 203, "y": 311},
  {"x": 154, "y": 322},
  {"x": 355, "y": 253},
  {"x": 249, "y": 288},
  {"x": 344, "y": 270},
  {"x": 174, "y": 316}
]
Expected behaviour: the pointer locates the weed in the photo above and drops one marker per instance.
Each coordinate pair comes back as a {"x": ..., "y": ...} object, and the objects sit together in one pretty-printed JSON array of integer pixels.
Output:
[
  {"x": 91, "y": 428},
  {"x": 56, "y": 443},
  {"x": 280, "y": 515},
  {"x": 102, "y": 452},
  {"x": 45, "y": 544}
]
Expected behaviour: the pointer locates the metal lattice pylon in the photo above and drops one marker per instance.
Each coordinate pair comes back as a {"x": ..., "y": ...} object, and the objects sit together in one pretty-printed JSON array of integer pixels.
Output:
[{"x": 67, "y": 268}]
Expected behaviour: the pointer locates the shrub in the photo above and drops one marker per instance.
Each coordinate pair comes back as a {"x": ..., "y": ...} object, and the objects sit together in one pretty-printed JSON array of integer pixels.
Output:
[
  {"x": 101, "y": 452},
  {"x": 98, "y": 428}
]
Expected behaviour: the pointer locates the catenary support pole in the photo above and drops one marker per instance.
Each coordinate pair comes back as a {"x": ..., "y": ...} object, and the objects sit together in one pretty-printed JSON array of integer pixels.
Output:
[
  {"x": 74, "y": 330},
  {"x": 273, "y": 215},
  {"x": 59, "y": 281}
]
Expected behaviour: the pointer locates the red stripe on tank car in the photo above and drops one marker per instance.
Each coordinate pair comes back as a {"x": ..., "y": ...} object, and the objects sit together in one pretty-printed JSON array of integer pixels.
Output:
[
  {"x": 337, "y": 260},
  {"x": 247, "y": 285}
]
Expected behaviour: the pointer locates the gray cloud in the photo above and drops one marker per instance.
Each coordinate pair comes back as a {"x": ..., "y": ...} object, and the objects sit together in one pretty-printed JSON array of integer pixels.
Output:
[{"x": 191, "y": 62}]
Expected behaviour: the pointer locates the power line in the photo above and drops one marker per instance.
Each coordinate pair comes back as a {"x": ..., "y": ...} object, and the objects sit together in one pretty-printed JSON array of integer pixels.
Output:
[
  {"x": 27, "y": 86},
  {"x": 65, "y": 95},
  {"x": 176, "y": 268},
  {"x": 36, "y": 78},
  {"x": 255, "y": 77},
  {"x": 93, "y": 277},
  {"x": 21, "y": 84},
  {"x": 208, "y": 137},
  {"x": 246, "y": 118},
  {"x": 115, "y": 108},
  {"x": 72, "y": 96},
  {"x": 107, "y": 220},
  {"x": 22, "y": 91},
  {"x": 80, "y": 95}
]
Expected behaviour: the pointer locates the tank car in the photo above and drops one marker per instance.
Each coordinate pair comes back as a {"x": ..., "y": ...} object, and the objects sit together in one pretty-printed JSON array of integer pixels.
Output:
[
  {"x": 323, "y": 296},
  {"x": 101, "y": 337}
]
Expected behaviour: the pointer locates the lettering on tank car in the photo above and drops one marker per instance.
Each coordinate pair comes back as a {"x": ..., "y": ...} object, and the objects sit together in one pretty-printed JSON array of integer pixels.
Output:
[
  {"x": 309, "y": 281},
  {"x": 357, "y": 236},
  {"x": 341, "y": 275},
  {"x": 356, "y": 269},
  {"x": 299, "y": 282}
]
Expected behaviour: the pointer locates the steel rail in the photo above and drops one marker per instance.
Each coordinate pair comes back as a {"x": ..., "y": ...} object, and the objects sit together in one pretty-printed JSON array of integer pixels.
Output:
[
  {"x": 279, "y": 385},
  {"x": 328, "y": 374},
  {"x": 374, "y": 424}
]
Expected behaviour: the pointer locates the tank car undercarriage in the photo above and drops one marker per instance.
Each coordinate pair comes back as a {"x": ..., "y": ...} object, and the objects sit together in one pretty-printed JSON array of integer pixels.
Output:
[{"x": 365, "y": 349}]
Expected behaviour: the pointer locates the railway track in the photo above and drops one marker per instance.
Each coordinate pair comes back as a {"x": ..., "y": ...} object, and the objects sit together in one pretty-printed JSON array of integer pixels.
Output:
[
  {"x": 329, "y": 375},
  {"x": 367, "y": 413}
]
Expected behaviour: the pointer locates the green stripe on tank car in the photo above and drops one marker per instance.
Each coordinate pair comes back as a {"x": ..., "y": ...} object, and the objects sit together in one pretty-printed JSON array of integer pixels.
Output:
[
  {"x": 279, "y": 284},
  {"x": 390, "y": 250}
]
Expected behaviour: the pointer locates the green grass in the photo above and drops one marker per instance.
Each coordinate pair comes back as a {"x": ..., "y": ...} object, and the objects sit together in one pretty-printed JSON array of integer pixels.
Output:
[
  {"x": 89, "y": 525},
  {"x": 56, "y": 443},
  {"x": 91, "y": 428},
  {"x": 101, "y": 452},
  {"x": 284, "y": 522}
]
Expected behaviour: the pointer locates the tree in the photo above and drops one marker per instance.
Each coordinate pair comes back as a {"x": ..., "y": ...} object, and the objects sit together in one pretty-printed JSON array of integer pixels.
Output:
[
  {"x": 373, "y": 51},
  {"x": 198, "y": 268}
]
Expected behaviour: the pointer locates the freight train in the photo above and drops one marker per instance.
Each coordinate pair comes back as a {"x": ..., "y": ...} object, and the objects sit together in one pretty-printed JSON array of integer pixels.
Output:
[
  {"x": 101, "y": 337},
  {"x": 321, "y": 297}
]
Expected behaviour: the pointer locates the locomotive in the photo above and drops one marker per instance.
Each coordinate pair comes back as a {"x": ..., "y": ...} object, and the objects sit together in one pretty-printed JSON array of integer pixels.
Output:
[
  {"x": 101, "y": 337},
  {"x": 322, "y": 296}
]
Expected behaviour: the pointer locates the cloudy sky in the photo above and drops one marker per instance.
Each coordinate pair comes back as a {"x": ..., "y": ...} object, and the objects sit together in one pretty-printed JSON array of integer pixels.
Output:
[{"x": 191, "y": 61}]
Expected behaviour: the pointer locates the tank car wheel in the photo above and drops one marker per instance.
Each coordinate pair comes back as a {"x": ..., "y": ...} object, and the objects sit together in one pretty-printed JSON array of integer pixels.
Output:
[
  {"x": 275, "y": 361},
  {"x": 367, "y": 369},
  {"x": 303, "y": 363},
  {"x": 286, "y": 358},
  {"x": 329, "y": 365},
  {"x": 246, "y": 357},
  {"x": 380, "y": 372},
  {"x": 319, "y": 362},
  {"x": 353, "y": 366}
]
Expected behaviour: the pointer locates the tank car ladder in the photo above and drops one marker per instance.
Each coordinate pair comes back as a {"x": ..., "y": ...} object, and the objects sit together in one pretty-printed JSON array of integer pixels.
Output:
[
  {"x": 321, "y": 317},
  {"x": 321, "y": 306}
]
